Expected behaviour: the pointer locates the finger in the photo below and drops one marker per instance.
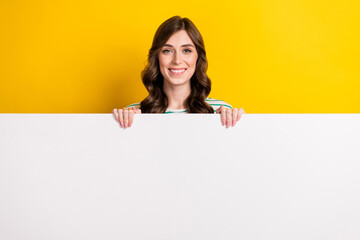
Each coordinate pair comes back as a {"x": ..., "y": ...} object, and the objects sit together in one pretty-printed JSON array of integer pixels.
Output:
[
  {"x": 241, "y": 112},
  {"x": 228, "y": 117},
  {"x": 126, "y": 118},
  {"x": 116, "y": 115},
  {"x": 223, "y": 116},
  {"x": 219, "y": 109},
  {"x": 121, "y": 117},
  {"x": 137, "y": 111},
  {"x": 234, "y": 116},
  {"x": 131, "y": 117}
]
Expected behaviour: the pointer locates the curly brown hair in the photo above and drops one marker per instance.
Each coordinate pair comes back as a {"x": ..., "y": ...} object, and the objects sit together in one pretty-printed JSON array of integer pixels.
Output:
[{"x": 156, "y": 101}]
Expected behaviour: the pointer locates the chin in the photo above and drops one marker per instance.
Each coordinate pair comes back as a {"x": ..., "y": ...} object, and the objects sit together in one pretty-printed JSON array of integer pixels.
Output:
[{"x": 179, "y": 83}]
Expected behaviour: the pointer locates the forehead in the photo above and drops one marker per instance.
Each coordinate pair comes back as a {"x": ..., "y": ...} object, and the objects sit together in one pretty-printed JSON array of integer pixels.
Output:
[{"x": 179, "y": 38}]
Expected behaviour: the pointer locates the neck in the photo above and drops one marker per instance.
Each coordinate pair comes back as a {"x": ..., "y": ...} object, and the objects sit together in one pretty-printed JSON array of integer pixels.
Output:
[{"x": 177, "y": 95}]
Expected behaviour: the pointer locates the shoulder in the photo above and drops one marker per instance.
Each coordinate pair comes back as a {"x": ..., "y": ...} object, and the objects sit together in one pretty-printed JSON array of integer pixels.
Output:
[
  {"x": 216, "y": 103},
  {"x": 136, "y": 105}
]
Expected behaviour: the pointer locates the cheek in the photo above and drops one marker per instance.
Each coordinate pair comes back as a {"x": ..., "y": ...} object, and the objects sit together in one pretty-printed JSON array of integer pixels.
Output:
[
  {"x": 163, "y": 60},
  {"x": 193, "y": 60},
  {"x": 192, "y": 64},
  {"x": 162, "y": 64}
]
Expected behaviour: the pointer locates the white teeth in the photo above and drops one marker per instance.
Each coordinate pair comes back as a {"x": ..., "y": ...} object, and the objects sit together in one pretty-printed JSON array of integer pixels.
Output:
[{"x": 177, "y": 71}]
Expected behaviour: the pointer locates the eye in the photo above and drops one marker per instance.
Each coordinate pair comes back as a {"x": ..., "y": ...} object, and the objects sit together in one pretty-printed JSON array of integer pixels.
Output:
[
  {"x": 166, "y": 51},
  {"x": 187, "y": 50}
]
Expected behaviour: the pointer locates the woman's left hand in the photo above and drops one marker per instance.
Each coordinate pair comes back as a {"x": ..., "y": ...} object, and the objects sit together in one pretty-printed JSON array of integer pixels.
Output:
[{"x": 229, "y": 117}]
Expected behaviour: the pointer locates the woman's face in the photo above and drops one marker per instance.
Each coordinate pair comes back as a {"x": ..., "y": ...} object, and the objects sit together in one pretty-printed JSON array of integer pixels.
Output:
[{"x": 177, "y": 59}]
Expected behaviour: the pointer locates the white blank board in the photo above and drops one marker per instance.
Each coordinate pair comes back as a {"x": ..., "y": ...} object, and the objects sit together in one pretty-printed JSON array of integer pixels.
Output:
[{"x": 180, "y": 176}]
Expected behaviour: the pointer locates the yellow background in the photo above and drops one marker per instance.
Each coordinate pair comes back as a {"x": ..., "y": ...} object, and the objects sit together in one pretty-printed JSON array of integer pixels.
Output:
[{"x": 269, "y": 56}]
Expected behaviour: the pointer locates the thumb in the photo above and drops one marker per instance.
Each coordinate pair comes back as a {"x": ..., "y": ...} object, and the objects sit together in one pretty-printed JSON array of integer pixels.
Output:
[{"x": 219, "y": 109}]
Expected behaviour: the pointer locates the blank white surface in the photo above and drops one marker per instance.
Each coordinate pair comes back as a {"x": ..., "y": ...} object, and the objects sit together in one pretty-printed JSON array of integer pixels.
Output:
[{"x": 180, "y": 176}]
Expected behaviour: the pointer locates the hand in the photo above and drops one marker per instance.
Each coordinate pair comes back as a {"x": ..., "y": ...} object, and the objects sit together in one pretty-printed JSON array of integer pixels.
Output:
[
  {"x": 125, "y": 116},
  {"x": 230, "y": 116}
]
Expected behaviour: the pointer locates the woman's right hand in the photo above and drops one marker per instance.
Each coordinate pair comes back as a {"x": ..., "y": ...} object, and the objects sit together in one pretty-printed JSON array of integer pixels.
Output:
[{"x": 125, "y": 116}]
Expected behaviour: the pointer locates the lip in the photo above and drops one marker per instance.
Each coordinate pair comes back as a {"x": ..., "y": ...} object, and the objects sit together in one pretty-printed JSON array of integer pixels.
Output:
[{"x": 179, "y": 72}]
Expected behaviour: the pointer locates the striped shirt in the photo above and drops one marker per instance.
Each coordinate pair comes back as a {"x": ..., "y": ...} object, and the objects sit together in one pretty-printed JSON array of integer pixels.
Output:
[{"x": 214, "y": 103}]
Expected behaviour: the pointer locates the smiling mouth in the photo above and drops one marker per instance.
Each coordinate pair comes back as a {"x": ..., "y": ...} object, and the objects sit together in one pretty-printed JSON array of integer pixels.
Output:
[{"x": 177, "y": 71}]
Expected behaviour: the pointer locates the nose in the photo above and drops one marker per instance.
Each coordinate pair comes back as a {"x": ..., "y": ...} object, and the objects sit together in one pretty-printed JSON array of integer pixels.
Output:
[{"x": 176, "y": 58}]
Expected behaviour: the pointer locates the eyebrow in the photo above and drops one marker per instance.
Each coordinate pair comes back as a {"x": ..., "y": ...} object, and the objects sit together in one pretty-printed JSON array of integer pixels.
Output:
[{"x": 185, "y": 45}]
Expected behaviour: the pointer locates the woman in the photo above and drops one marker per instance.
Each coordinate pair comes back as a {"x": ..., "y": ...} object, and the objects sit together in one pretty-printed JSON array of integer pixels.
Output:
[{"x": 175, "y": 77}]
